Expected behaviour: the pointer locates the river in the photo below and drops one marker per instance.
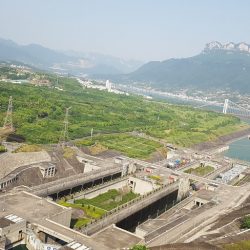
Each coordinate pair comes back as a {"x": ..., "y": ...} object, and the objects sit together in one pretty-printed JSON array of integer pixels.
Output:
[{"x": 239, "y": 149}]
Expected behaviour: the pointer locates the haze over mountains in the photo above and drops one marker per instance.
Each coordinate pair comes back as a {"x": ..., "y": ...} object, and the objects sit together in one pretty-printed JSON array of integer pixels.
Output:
[
  {"x": 68, "y": 61},
  {"x": 218, "y": 66}
]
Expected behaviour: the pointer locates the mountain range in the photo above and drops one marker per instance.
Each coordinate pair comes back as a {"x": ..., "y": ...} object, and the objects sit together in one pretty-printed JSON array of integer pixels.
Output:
[
  {"x": 65, "y": 61},
  {"x": 218, "y": 66}
]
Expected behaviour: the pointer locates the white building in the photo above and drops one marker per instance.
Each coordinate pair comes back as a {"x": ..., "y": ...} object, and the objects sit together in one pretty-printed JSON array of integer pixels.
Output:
[
  {"x": 108, "y": 85},
  {"x": 47, "y": 170}
]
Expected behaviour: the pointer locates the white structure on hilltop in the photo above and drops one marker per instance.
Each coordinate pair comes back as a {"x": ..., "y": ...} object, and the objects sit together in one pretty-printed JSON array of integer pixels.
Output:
[{"x": 108, "y": 85}]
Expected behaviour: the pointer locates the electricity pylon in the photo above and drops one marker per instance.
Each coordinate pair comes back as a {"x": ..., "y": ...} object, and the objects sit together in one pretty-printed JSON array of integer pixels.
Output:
[
  {"x": 65, "y": 133},
  {"x": 8, "y": 124}
]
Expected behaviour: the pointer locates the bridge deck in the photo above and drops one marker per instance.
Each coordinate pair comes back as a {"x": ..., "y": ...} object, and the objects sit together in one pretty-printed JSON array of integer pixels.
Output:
[{"x": 73, "y": 181}]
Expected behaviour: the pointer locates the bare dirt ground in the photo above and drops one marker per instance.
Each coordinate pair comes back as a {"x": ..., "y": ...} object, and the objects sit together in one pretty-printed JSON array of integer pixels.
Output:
[{"x": 187, "y": 246}]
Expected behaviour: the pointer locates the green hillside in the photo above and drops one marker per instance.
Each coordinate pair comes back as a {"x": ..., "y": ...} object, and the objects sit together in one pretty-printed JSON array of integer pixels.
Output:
[{"x": 39, "y": 114}]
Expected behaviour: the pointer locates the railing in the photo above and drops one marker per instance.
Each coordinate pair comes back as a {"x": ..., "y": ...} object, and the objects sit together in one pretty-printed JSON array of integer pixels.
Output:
[{"x": 75, "y": 180}]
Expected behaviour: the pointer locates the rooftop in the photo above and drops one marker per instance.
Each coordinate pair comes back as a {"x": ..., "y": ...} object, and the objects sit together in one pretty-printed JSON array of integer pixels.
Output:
[
  {"x": 28, "y": 206},
  {"x": 113, "y": 237},
  {"x": 5, "y": 222}
]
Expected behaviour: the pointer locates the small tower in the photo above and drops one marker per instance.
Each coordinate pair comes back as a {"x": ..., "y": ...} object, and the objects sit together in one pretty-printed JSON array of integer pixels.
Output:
[
  {"x": 108, "y": 85},
  {"x": 8, "y": 119},
  {"x": 225, "y": 107}
]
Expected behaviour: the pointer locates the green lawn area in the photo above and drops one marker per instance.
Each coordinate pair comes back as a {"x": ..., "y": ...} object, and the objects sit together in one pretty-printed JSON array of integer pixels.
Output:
[
  {"x": 109, "y": 200},
  {"x": 242, "y": 245},
  {"x": 200, "y": 171},
  {"x": 135, "y": 147},
  {"x": 80, "y": 222},
  {"x": 90, "y": 212},
  {"x": 96, "y": 207}
]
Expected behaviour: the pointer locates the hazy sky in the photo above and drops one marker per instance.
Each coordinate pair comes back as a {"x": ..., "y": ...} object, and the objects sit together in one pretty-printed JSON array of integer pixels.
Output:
[{"x": 138, "y": 29}]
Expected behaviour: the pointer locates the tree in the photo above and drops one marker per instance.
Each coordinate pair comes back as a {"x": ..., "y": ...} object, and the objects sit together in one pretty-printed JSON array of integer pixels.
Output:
[
  {"x": 245, "y": 222},
  {"x": 139, "y": 247}
]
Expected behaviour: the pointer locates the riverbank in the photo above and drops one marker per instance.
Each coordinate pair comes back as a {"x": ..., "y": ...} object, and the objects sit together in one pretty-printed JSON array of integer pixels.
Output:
[{"x": 222, "y": 140}]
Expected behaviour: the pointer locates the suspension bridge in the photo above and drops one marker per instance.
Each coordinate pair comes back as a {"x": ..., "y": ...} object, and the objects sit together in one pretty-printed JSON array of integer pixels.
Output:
[{"x": 228, "y": 107}]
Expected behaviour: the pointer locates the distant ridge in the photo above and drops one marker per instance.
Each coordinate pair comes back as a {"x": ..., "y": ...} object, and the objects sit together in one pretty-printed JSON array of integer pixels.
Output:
[
  {"x": 65, "y": 62},
  {"x": 218, "y": 66}
]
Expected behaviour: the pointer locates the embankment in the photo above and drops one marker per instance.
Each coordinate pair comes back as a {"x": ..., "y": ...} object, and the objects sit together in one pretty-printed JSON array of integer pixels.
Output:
[{"x": 222, "y": 140}]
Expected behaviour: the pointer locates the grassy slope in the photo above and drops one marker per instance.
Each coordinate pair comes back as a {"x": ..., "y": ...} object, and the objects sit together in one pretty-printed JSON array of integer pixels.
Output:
[
  {"x": 39, "y": 114},
  {"x": 201, "y": 171},
  {"x": 130, "y": 145},
  {"x": 242, "y": 245}
]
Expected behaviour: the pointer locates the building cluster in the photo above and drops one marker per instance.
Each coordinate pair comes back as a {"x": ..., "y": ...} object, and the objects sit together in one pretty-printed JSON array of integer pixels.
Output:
[
  {"x": 231, "y": 174},
  {"x": 100, "y": 86}
]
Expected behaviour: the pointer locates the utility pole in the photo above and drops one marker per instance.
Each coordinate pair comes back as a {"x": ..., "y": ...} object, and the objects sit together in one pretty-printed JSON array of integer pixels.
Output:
[
  {"x": 65, "y": 133},
  {"x": 8, "y": 119},
  {"x": 91, "y": 133}
]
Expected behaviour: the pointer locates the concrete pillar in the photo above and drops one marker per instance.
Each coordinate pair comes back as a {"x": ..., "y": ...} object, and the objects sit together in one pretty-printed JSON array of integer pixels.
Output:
[{"x": 183, "y": 190}]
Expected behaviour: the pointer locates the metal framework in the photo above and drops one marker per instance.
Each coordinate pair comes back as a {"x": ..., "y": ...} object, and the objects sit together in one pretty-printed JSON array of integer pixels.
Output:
[
  {"x": 65, "y": 133},
  {"x": 235, "y": 109},
  {"x": 8, "y": 124}
]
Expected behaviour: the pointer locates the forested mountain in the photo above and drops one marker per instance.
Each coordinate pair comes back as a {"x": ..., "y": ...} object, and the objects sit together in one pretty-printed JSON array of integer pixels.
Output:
[{"x": 217, "y": 66}]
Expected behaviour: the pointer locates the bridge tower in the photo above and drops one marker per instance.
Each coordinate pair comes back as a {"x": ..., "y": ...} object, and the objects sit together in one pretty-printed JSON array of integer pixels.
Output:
[
  {"x": 8, "y": 124},
  {"x": 65, "y": 133},
  {"x": 225, "y": 107}
]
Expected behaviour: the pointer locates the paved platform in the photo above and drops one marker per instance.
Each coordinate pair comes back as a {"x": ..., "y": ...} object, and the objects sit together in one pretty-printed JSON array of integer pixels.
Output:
[{"x": 11, "y": 161}]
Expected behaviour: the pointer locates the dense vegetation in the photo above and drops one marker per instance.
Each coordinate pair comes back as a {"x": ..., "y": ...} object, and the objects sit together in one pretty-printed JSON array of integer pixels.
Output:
[
  {"x": 39, "y": 113},
  {"x": 245, "y": 222}
]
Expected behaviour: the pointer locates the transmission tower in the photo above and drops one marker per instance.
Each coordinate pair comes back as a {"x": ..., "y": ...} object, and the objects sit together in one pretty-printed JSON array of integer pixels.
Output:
[
  {"x": 8, "y": 118},
  {"x": 65, "y": 133}
]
